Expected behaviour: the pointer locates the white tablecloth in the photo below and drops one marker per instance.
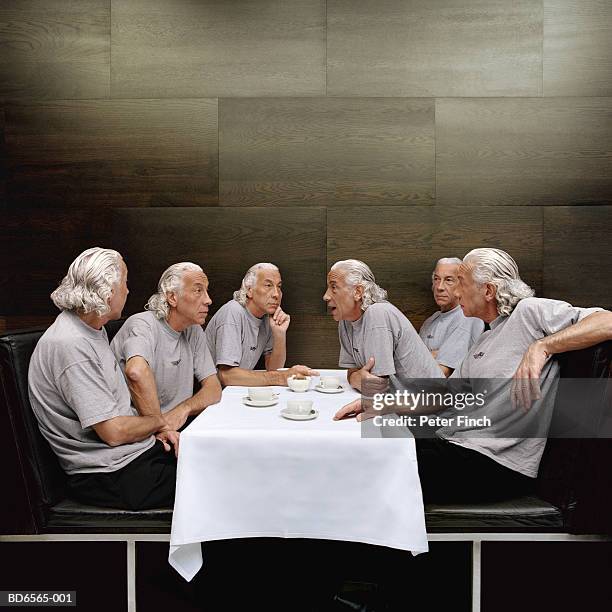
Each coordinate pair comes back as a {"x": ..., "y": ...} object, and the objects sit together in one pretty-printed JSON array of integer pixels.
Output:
[{"x": 248, "y": 472}]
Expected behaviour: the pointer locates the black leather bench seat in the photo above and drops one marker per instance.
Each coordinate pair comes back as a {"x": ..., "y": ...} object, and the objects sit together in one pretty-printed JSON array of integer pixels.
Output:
[{"x": 523, "y": 514}]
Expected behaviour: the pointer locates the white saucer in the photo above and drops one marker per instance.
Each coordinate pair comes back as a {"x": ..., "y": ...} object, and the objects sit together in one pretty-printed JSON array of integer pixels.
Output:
[
  {"x": 314, "y": 413},
  {"x": 259, "y": 403},
  {"x": 321, "y": 389}
]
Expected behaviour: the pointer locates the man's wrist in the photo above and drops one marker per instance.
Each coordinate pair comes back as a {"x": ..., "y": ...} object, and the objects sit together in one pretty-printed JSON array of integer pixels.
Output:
[{"x": 542, "y": 344}]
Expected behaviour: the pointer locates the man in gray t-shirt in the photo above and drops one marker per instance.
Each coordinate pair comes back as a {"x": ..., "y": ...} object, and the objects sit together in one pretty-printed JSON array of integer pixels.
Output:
[
  {"x": 448, "y": 333},
  {"x": 378, "y": 344},
  {"x": 249, "y": 326},
  {"x": 164, "y": 350},
  {"x": 470, "y": 458},
  {"x": 81, "y": 401}
]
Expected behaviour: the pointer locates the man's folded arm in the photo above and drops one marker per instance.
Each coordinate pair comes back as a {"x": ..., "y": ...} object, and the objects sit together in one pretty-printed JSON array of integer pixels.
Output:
[
  {"x": 126, "y": 429},
  {"x": 141, "y": 383}
]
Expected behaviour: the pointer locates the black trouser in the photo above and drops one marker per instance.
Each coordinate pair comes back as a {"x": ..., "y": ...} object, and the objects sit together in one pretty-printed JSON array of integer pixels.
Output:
[
  {"x": 451, "y": 473},
  {"x": 146, "y": 482}
]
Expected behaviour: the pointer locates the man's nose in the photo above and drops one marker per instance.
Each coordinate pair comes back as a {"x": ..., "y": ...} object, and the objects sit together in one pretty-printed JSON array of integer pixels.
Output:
[
  {"x": 439, "y": 285},
  {"x": 325, "y": 297},
  {"x": 207, "y": 299}
]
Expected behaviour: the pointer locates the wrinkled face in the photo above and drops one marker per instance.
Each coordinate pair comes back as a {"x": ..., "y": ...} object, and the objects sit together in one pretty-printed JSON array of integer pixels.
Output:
[
  {"x": 343, "y": 301},
  {"x": 191, "y": 304},
  {"x": 469, "y": 294},
  {"x": 266, "y": 294},
  {"x": 443, "y": 284},
  {"x": 119, "y": 295}
]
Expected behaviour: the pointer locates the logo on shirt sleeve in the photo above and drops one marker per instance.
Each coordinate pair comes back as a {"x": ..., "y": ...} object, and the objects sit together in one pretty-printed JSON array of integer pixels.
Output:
[
  {"x": 478, "y": 355},
  {"x": 176, "y": 362},
  {"x": 252, "y": 348}
]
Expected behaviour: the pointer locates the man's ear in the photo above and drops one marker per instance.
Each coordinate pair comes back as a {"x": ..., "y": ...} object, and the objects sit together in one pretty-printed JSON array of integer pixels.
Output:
[
  {"x": 171, "y": 298},
  {"x": 358, "y": 293},
  {"x": 490, "y": 292},
  {"x": 250, "y": 293}
]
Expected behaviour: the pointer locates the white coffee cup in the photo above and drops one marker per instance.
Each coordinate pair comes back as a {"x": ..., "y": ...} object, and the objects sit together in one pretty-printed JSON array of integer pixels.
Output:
[
  {"x": 261, "y": 394},
  {"x": 300, "y": 407},
  {"x": 330, "y": 382},
  {"x": 299, "y": 385}
]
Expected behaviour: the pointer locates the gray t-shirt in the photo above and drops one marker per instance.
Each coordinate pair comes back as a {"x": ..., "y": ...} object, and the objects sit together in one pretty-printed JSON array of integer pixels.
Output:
[
  {"x": 496, "y": 355},
  {"x": 174, "y": 357},
  {"x": 238, "y": 338},
  {"x": 74, "y": 383},
  {"x": 451, "y": 334},
  {"x": 383, "y": 332}
]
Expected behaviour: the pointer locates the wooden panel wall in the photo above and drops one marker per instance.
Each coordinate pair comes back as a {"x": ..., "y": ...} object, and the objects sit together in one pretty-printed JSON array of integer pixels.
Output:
[{"x": 304, "y": 132}]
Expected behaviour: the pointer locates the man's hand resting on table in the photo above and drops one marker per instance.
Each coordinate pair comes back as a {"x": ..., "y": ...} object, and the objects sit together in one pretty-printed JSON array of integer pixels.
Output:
[{"x": 362, "y": 409}]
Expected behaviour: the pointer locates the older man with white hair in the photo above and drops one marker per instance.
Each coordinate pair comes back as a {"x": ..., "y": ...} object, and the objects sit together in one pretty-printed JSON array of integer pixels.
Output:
[
  {"x": 448, "y": 333},
  {"x": 484, "y": 455},
  {"x": 164, "y": 349},
  {"x": 250, "y": 325},
  {"x": 378, "y": 344},
  {"x": 81, "y": 400}
]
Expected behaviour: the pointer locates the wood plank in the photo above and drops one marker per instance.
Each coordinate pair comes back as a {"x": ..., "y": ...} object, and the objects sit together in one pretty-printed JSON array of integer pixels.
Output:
[
  {"x": 3, "y": 160},
  {"x": 549, "y": 151},
  {"x": 326, "y": 151},
  {"x": 443, "y": 48},
  {"x": 577, "y": 254},
  {"x": 396, "y": 243},
  {"x": 577, "y": 48},
  {"x": 193, "y": 48},
  {"x": 112, "y": 153},
  {"x": 54, "y": 49},
  {"x": 225, "y": 242},
  {"x": 17, "y": 322},
  {"x": 312, "y": 340},
  {"x": 37, "y": 248}
]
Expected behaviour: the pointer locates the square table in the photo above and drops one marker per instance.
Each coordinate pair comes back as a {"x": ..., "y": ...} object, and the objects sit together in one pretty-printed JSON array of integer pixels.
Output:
[{"x": 248, "y": 472}]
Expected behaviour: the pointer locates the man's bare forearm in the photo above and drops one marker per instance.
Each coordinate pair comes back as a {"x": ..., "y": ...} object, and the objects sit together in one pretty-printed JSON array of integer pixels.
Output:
[
  {"x": 354, "y": 378},
  {"x": 209, "y": 393},
  {"x": 128, "y": 429},
  {"x": 592, "y": 330},
  {"x": 250, "y": 378},
  {"x": 278, "y": 356},
  {"x": 141, "y": 383}
]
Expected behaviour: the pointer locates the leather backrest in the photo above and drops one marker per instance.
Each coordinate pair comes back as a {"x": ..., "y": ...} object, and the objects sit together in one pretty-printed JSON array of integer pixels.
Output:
[
  {"x": 573, "y": 471},
  {"x": 43, "y": 478}
]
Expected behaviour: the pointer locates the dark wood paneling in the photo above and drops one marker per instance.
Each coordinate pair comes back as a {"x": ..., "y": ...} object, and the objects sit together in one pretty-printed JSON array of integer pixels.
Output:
[
  {"x": 189, "y": 48},
  {"x": 402, "y": 245},
  {"x": 577, "y": 254},
  {"x": 25, "y": 321},
  {"x": 312, "y": 340},
  {"x": 37, "y": 246},
  {"x": 326, "y": 150},
  {"x": 517, "y": 231},
  {"x": 530, "y": 151},
  {"x": 396, "y": 243},
  {"x": 577, "y": 48},
  {"x": 54, "y": 49},
  {"x": 225, "y": 242},
  {"x": 445, "y": 48},
  {"x": 112, "y": 153},
  {"x": 3, "y": 161}
]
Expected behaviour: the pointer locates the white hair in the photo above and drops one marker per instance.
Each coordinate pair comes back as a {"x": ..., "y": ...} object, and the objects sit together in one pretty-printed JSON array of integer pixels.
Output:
[
  {"x": 446, "y": 261},
  {"x": 359, "y": 273},
  {"x": 89, "y": 282},
  {"x": 250, "y": 278},
  {"x": 498, "y": 268},
  {"x": 171, "y": 281}
]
